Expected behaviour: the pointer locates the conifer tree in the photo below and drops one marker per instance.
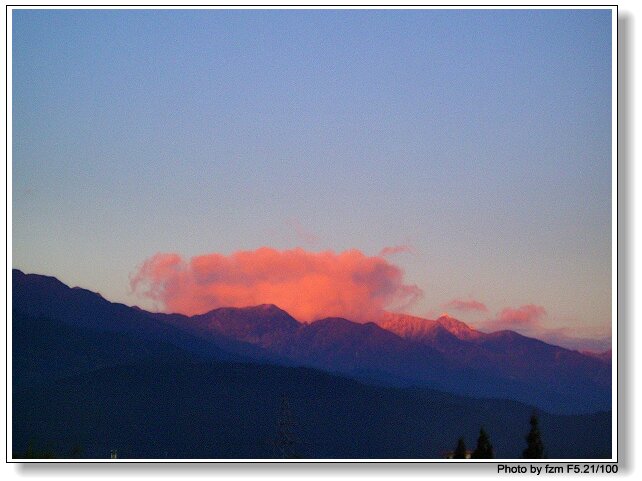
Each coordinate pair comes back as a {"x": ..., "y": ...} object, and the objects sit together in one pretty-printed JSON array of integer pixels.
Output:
[
  {"x": 460, "y": 450},
  {"x": 484, "y": 449},
  {"x": 535, "y": 447},
  {"x": 285, "y": 441}
]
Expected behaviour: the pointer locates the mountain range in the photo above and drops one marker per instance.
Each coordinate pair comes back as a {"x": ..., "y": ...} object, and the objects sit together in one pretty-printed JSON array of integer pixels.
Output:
[
  {"x": 74, "y": 350},
  {"x": 400, "y": 350}
]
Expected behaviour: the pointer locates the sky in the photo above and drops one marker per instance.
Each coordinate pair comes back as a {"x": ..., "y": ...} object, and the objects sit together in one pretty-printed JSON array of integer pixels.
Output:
[{"x": 426, "y": 161}]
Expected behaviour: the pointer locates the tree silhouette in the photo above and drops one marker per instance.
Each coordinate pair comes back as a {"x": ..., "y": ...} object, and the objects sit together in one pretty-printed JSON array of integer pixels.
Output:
[
  {"x": 76, "y": 452},
  {"x": 285, "y": 437},
  {"x": 460, "y": 450},
  {"x": 33, "y": 453},
  {"x": 535, "y": 447},
  {"x": 484, "y": 449}
]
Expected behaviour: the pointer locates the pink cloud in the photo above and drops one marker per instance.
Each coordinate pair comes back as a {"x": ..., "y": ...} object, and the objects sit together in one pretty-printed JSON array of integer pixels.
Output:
[
  {"x": 309, "y": 285},
  {"x": 525, "y": 319},
  {"x": 526, "y": 315},
  {"x": 389, "y": 251},
  {"x": 470, "y": 305}
]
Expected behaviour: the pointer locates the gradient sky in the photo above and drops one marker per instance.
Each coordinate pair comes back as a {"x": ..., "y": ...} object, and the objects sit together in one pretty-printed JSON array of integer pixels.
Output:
[{"x": 480, "y": 139}]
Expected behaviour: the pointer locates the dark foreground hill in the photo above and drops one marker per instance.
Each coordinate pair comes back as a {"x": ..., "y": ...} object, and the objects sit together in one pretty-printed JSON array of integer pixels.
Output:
[
  {"x": 84, "y": 391},
  {"x": 183, "y": 409}
]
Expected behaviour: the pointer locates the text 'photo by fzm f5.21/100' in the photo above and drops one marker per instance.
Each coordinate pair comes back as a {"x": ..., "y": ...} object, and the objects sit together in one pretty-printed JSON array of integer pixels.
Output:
[{"x": 312, "y": 235}]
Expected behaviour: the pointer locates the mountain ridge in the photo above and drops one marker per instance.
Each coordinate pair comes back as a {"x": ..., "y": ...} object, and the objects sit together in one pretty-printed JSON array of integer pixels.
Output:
[{"x": 483, "y": 365}]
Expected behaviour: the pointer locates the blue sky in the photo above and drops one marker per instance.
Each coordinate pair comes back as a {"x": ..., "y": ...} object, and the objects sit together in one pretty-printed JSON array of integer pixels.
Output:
[{"x": 480, "y": 138}]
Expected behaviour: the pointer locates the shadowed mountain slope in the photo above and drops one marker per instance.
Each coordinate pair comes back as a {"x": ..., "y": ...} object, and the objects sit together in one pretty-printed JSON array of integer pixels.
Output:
[{"x": 229, "y": 410}]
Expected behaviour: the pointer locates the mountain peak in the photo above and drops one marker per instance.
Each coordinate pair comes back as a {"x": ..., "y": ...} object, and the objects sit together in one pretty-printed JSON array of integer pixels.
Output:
[
  {"x": 260, "y": 309},
  {"x": 458, "y": 328},
  {"x": 268, "y": 307},
  {"x": 256, "y": 324},
  {"x": 419, "y": 328}
]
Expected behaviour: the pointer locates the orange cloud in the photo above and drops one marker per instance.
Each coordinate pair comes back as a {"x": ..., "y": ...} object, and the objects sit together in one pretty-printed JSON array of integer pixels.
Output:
[
  {"x": 308, "y": 285},
  {"x": 524, "y": 315},
  {"x": 466, "y": 305},
  {"x": 524, "y": 318}
]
